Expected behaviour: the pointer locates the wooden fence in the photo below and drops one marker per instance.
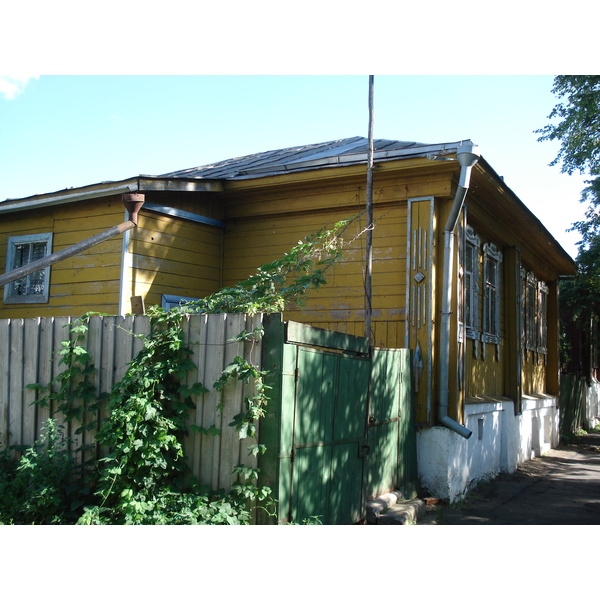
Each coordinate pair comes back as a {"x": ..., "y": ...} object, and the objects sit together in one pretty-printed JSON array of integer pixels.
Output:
[{"x": 29, "y": 354}]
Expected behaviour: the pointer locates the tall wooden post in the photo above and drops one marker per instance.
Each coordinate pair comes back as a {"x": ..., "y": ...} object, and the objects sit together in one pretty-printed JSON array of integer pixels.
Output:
[{"x": 369, "y": 219}]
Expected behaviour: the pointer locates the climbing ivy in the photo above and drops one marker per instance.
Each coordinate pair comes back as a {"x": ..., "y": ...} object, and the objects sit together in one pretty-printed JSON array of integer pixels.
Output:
[
  {"x": 145, "y": 478},
  {"x": 72, "y": 392},
  {"x": 286, "y": 280}
]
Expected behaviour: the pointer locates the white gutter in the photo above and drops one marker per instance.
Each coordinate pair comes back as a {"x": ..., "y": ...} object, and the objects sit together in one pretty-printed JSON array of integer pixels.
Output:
[{"x": 467, "y": 155}]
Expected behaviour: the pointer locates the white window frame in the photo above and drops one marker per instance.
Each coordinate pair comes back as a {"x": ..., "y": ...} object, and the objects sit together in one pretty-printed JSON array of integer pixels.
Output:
[
  {"x": 471, "y": 279},
  {"x": 10, "y": 297},
  {"x": 491, "y": 294}
]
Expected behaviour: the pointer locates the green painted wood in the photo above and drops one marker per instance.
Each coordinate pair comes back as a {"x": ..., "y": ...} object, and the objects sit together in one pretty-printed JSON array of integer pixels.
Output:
[
  {"x": 311, "y": 484},
  {"x": 317, "y": 424},
  {"x": 391, "y": 462},
  {"x": 270, "y": 426},
  {"x": 329, "y": 422},
  {"x": 407, "y": 464},
  {"x": 383, "y": 431},
  {"x": 299, "y": 333}
]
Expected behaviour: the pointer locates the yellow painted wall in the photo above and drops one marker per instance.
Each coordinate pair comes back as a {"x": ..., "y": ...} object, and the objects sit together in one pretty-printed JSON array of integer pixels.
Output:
[
  {"x": 173, "y": 256},
  {"x": 251, "y": 242},
  {"x": 485, "y": 373},
  {"x": 484, "y": 368},
  {"x": 87, "y": 282},
  {"x": 534, "y": 373},
  {"x": 168, "y": 255}
]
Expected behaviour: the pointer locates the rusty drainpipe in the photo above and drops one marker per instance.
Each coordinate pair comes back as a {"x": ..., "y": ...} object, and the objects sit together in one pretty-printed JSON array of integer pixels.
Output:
[{"x": 132, "y": 202}]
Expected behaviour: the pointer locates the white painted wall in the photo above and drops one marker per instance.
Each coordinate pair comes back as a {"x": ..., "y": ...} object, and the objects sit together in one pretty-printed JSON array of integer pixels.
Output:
[
  {"x": 592, "y": 406},
  {"x": 450, "y": 465}
]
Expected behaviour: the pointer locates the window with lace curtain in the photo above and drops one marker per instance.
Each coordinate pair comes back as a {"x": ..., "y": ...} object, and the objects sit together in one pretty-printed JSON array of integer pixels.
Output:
[{"x": 23, "y": 250}]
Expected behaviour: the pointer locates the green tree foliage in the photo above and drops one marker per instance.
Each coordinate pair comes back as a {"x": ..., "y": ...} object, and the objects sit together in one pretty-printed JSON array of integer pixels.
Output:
[
  {"x": 577, "y": 127},
  {"x": 578, "y": 131}
]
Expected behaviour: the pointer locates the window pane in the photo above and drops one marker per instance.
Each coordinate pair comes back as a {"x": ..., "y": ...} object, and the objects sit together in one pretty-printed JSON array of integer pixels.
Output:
[
  {"x": 23, "y": 250},
  {"x": 38, "y": 250},
  {"x": 21, "y": 256}
]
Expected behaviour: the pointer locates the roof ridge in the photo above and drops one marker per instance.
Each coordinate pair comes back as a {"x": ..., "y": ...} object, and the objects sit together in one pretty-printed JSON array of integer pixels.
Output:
[{"x": 265, "y": 153}]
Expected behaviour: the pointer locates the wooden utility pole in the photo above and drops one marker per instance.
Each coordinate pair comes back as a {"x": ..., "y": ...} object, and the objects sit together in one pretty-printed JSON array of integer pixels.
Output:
[{"x": 369, "y": 219}]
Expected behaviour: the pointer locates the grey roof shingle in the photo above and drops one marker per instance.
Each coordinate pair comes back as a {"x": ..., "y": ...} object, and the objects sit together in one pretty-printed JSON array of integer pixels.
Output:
[{"x": 344, "y": 151}]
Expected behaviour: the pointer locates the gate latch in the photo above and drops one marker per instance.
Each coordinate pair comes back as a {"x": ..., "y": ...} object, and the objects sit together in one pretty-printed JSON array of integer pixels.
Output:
[{"x": 365, "y": 449}]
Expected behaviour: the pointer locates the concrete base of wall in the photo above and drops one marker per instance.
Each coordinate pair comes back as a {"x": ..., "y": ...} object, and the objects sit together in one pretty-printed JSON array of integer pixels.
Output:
[
  {"x": 449, "y": 465},
  {"x": 592, "y": 406}
]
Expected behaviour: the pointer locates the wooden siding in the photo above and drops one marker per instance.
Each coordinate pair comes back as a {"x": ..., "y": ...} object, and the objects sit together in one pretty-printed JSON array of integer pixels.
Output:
[
  {"x": 340, "y": 304},
  {"x": 484, "y": 366},
  {"x": 172, "y": 256},
  {"x": 206, "y": 204},
  {"x": 421, "y": 282},
  {"x": 86, "y": 282},
  {"x": 28, "y": 354},
  {"x": 486, "y": 372}
]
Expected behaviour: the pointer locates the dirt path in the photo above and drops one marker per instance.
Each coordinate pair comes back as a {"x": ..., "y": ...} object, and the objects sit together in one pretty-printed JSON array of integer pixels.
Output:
[{"x": 560, "y": 488}]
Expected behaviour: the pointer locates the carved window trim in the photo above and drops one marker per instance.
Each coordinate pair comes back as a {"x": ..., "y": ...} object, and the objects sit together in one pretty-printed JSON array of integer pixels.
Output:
[
  {"x": 492, "y": 260},
  {"x": 542, "y": 318},
  {"x": 471, "y": 279}
]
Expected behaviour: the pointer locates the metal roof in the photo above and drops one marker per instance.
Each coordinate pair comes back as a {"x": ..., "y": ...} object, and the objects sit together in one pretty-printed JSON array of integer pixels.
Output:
[
  {"x": 347, "y": 151},
  {"x": 312, "y": 156}
]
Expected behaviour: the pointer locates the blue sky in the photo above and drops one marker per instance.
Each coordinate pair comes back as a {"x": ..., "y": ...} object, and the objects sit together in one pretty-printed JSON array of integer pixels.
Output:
[{"x": 68, "y": 131}]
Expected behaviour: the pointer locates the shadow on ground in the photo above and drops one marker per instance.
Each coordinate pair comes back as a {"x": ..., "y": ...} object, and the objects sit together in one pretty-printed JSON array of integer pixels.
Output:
[{"x": 560, "y": 488}]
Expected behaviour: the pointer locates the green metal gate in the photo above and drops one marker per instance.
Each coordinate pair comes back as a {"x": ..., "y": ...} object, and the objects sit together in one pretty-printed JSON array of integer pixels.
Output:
[{"x": 338, "y": 429}]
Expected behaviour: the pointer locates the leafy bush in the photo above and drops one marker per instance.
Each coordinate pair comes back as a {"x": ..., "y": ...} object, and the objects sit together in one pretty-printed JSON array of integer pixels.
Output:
[{"x": 45, "y": 486}]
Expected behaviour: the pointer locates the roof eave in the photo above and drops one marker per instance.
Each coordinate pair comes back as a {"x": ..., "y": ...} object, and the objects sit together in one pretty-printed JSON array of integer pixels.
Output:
[
  {"x": 564, "y": 262},
  {"x": 142, "y": 183}
]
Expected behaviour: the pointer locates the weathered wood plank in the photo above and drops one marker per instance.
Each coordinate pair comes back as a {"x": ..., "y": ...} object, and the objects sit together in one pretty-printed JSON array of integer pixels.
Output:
[
  {"x": 44, "y": 376},
  {"x": 34, "y": 354},
  {"x": 197, "y": 341},
  {"x": 91, "y": 418},
  {"x": 17, "y": 348},
  {"x": 303, "y": 334},
  {"x": 252, "y": 353},
  {"x": 4, "y": 382},
  {"x": 231, "y": 404},
  {"x": 214, "y": 367},
  {"x": 60, "y": 335},
  {"x": 31, "y": 333}
]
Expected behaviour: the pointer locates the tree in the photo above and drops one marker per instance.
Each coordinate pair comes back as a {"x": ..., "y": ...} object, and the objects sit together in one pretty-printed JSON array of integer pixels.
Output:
[
  {"x": 579, "y": 134},
  {"x": 578, "y": 131}
]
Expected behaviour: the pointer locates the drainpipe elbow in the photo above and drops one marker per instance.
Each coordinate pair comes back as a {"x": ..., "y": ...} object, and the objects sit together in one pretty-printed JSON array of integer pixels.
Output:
[{"x": 456, "y": 427}]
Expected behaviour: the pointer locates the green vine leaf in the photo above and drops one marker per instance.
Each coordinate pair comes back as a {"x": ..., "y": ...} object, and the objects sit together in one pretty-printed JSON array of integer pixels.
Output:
[{"x": 212, "y": 431}]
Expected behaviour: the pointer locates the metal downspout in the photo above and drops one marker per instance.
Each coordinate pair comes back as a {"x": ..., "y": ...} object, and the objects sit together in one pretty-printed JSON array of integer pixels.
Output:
[{"x": 467, "y": 155}]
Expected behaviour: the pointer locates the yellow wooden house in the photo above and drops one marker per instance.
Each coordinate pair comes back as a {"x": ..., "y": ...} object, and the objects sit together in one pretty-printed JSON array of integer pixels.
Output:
[{"x": 463, "y": 273}]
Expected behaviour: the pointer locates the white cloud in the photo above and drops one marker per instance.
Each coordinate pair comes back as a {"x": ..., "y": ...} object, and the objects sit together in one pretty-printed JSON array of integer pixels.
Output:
[{"x": 12, "y": 86}]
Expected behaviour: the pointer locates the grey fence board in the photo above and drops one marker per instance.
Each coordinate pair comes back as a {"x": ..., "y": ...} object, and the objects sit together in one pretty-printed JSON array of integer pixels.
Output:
[{"x": 29, "y": 353}]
